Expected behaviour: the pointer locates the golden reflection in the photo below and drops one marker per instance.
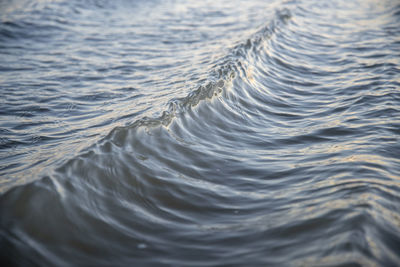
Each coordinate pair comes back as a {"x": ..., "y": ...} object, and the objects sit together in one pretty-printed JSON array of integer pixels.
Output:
[
  {"x": 249, "y": 73},
  {"x": 334, "y": 260}
]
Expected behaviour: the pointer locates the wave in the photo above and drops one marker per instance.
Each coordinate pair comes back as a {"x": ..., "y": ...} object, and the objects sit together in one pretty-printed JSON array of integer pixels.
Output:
[
  {"x": 224, "y": 71},
  {"x": 273, "y": 160}
]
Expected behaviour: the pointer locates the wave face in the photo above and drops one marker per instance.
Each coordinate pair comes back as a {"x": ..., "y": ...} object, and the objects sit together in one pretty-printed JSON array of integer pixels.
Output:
[{"x": 236, "y": 144}]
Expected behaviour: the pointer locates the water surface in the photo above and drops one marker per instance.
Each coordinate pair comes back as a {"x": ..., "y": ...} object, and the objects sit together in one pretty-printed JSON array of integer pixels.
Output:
[{"x": 180, "y": 133}]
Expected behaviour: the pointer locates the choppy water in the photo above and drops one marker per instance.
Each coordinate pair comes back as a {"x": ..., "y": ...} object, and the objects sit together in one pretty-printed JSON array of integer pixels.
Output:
[{"x": 200, "y": 133}]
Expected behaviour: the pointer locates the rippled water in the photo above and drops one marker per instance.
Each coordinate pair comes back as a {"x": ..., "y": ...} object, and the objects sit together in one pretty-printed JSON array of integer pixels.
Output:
[{"x": 200, "y": 133}]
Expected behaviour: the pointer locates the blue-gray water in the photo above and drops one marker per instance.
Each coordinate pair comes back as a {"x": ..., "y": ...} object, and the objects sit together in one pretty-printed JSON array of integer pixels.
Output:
[{"x": 200, "y": 133}]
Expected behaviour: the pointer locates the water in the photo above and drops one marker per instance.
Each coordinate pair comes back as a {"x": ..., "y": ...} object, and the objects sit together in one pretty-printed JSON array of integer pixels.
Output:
[{"x": 178, "y": 133}]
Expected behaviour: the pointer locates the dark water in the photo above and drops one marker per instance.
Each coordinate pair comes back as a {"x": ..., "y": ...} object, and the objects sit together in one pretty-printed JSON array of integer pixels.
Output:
[{"x": 203, "y": 133}]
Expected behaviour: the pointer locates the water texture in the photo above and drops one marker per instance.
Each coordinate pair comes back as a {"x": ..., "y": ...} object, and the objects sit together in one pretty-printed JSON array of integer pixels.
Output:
[{"x": 210, "y": 133}]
